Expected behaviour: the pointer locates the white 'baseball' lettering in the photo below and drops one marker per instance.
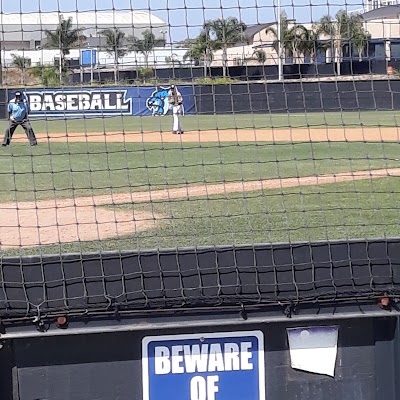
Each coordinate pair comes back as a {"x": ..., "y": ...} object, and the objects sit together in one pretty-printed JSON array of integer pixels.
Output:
[{"x": 70, "y": 101}]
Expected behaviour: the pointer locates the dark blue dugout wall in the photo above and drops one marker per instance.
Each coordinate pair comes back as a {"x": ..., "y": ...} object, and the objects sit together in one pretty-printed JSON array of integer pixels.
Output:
[
  {"x": 108, "y": 366},
  {"x": 111, "y": 301}
]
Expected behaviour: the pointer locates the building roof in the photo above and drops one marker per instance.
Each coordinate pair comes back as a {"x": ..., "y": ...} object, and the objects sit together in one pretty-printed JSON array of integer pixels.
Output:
[
  {"x": 388, "y": 12},
  {"x": 83, "y": 18},
  {"x": 252, "y": 30}
]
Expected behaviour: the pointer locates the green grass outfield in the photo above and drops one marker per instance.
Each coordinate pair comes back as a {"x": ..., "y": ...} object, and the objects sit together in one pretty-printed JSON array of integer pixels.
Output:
[
  {"x": 86, "y": 169},
  {"x": 344, "y": 210},
  {"x": 213, "y": 122}
]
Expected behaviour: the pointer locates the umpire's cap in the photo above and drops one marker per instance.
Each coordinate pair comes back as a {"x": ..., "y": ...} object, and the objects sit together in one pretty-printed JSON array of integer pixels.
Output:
[{"x": 18, "y": 94}]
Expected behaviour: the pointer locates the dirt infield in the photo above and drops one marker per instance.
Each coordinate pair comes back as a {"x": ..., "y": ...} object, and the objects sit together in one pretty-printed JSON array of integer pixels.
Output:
[
  {"x": 28, "y": 224},
  {"x": 240, "y": 135}
]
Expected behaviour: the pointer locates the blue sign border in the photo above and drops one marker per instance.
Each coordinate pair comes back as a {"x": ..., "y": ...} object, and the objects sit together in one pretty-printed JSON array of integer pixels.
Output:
[{"x": 259, "y": 335}]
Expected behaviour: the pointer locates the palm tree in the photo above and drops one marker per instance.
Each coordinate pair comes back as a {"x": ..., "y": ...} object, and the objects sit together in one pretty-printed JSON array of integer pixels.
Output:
[
  {"x": 201, "y": 51},
  {"x": 360, "y": 40},
  {"x": 312, "y": 43},
  {"x": 21, "y": 63},
  {"x": 146, "y": 45},
  {"x": 172, "y": 60},
  {"x": 344, "y": 27},
  {"x": 260, "y": 56},
  {"x": 114, "y": 46},
  {"x": 292, "y": 37},
  {"x": 64, "y": 38},
  {"x": 224, "y": 33}
]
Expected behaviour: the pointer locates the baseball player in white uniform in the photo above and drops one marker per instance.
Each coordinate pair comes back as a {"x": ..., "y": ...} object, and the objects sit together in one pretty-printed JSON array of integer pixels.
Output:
[{"x": 176, "y": 102}]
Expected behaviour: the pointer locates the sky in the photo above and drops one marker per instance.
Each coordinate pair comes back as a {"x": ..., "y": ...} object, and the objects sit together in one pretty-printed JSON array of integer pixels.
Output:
[{"x": 186, "y": 17}]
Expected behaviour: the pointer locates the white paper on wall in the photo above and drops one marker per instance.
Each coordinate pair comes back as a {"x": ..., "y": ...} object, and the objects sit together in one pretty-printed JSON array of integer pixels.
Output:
[{"x": 314, "y": 349}]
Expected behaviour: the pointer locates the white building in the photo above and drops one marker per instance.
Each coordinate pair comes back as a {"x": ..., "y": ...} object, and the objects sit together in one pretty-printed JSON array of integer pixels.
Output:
[
  {"x": 374, "y": 4},
  {"x": 27, "y": 31},
  {"x": 157, "y": 58}
]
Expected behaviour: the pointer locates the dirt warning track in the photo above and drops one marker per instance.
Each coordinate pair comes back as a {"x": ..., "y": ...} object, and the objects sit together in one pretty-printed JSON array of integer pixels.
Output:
[{"x": 369, "y": 134}]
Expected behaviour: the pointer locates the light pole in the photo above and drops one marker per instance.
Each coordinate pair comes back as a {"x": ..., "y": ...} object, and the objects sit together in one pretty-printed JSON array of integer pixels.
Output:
[
  {"x": 280, "y": 66},
  {"x": 164, "y": 32}
]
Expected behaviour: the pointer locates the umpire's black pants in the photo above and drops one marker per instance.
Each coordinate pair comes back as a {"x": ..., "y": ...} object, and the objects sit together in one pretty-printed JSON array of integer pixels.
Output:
[{"x": 27, "y": 128}]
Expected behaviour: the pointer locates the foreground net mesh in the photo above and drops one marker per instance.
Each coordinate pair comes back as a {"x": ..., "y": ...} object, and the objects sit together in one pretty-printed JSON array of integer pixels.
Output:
[{"x": 201, "y": 123}]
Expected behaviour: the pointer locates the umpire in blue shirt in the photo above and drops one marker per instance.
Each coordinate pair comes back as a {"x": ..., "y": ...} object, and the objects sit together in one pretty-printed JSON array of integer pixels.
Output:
[{"x": 18, "y": 112}]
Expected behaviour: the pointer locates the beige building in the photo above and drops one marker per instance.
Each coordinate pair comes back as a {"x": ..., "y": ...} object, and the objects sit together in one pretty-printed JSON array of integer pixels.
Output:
[
  {"x": 260, "y": 38},
  {"x": 383, "y": 25}
]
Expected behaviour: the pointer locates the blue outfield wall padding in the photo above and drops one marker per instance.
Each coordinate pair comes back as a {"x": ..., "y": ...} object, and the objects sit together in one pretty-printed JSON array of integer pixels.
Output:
[{"x": 104, "y": 102}]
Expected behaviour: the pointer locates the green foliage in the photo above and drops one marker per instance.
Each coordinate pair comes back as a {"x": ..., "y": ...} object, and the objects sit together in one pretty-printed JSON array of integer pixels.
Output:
[
  {"x": 145, "y": 73},
  {"x": 115, "y": 40},
  {"x": 145, "y": 45},
  {"x": 217, "y": 34},
  {"x": 260, "y": 56},
  {"x": 225, "y": 33},
  {"x": 64, "y": 38},
  {"x": 172, "y": 60},
  {"x": 20, "y": 62},
  {"x": 49, "y": 76},
  {"x": 293, "y": 37},
  {"x": 115, "y": 46},
  {"x": 200, "y": 49},
  {"x": 216, "y": 81},
  {"x": 344, "y": 27}
]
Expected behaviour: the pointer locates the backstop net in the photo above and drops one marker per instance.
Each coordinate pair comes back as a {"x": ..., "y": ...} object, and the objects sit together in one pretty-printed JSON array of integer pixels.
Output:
[{"x": 196, "y": 123}]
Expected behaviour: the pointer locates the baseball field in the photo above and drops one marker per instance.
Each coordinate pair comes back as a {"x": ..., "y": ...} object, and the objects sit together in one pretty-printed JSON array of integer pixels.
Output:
[{"x": 128, "y": 183}]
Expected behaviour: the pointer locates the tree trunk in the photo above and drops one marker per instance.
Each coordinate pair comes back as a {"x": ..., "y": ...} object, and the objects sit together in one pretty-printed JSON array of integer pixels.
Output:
[
  {"x": 205, "y": 64},
  {"x": 224, "y": 62},
  {"x": 1, "y": 67},
  {"x": 338, "y": 46},
  {"x": 62, "y": 68},
  {"x": 115, "y": 70}
]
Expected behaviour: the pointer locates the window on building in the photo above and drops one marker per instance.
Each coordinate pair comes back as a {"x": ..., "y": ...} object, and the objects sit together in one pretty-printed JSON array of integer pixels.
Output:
[
  {"x": 376, "y": 50},
  {"x": 320, "y": 56},
  {"x": 395, "y": 50}
]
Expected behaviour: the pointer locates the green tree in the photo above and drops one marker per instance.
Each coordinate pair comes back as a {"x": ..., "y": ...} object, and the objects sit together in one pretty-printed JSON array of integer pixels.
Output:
[
  {"x": 115, "y": 46},
  {"x": 145, "y": 73},
  {"x": 145, "y": 45},
  {"x": 64, "y": 38},
  {"x": 344, "y": 28},
  {"x": 260, "y": 56},
  {"x": 22, "y": 63},
  {"x": 360, "y": 40},
  {"x": 49, "y": 75},
  {"x": 312, "y": 43},
  {"x": 225, "y": 33},
  {"x": 172, "y": 60},
  {"x": 292, "y": 37},
  {"x": 200, "y": 51}
]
